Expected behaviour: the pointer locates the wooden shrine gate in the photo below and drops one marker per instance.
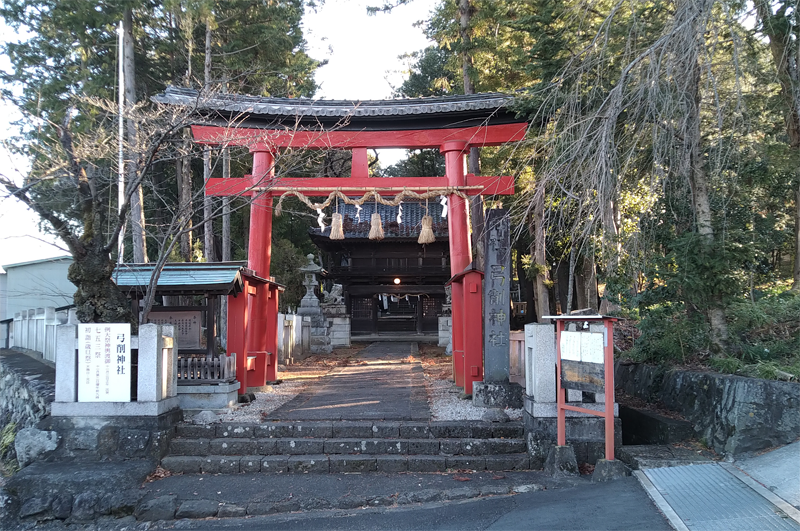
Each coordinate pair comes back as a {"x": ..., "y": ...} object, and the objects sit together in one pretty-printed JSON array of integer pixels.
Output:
[{"x": 451, "y": 124}]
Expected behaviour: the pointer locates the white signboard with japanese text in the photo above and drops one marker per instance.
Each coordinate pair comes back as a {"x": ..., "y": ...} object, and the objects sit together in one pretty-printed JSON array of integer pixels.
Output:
[
  {"x": 585, "y": 347},
  {"x": 104, "y": 362}
]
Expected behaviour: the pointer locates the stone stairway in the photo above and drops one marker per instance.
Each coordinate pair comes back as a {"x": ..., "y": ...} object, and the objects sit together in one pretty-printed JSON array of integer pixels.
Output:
[{"x": 347, "y": 446}]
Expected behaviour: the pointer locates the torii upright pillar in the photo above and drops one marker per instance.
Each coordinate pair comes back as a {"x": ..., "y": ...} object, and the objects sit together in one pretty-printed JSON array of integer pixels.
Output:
[
  {"x": 466, "y": 331},
  {"x": 257, "y": 363}
]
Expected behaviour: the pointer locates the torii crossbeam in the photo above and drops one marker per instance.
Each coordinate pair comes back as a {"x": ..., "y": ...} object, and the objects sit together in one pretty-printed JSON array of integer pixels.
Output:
[{"x": 266, "y": 125}]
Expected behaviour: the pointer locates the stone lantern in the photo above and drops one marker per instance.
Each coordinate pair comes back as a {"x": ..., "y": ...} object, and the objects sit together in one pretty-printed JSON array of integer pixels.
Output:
[
  {"x": 310, "y": 272},
  {"x": 310, "y": 310}
]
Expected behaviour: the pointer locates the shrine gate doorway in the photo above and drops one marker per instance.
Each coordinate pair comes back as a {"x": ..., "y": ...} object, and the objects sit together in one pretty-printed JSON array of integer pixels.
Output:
[{"x": 452, "y": 124}]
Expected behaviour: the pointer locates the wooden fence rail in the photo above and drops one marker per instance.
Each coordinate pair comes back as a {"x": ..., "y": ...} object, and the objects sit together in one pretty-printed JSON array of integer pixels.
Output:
[{"x": 193, "y": 370}]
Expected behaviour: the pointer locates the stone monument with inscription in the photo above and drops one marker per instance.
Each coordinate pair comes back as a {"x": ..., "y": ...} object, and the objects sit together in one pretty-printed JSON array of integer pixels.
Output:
[{"x": 496, "y": 390}]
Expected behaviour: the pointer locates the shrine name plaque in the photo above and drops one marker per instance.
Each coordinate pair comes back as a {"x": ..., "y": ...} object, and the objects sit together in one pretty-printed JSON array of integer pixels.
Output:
[
  {"x": 582, "y": 366},
  {"x": 104, "y": 362},
  {"x": 186, "y": 323}
]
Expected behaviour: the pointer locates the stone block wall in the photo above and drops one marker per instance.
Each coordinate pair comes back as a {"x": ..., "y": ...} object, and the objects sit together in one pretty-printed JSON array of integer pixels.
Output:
[
  {"x": 732, "y": 414},
  {"x": 101, "y": 438},
  {"x": 27, "y": 389},
  {"x": 339, "y": 331}
]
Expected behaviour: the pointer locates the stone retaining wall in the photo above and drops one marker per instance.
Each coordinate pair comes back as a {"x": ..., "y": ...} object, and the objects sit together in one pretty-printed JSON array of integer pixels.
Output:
[
  {"x": 732, "y": 414},
  {"x": 26, "y": 391}
]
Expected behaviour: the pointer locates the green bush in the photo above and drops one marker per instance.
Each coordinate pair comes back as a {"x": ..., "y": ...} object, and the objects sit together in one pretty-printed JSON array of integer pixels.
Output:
[
  {"x": 764, "y": 335},
  {"x": 668, "y": 335}
]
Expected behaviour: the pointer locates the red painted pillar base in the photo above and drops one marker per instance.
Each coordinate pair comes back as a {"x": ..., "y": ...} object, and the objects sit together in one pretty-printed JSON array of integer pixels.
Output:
[
  {"x": 272, "y": 334},
  {"x": 473, "y": 329},
  {"x": 457, "y": 332},
  {"x": 237, "y": 334}
]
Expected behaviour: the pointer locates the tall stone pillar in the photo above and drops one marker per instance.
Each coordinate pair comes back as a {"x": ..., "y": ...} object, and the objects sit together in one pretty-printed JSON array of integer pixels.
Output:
[{"x": 496, "y": 390}]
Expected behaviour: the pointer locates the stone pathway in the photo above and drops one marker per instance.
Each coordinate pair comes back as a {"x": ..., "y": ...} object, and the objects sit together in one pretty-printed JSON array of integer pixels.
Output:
[{"x": 380, "y": 385}]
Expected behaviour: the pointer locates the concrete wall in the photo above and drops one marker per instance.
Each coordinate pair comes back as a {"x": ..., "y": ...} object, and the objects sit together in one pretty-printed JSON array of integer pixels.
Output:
[{"x": 36, "y": 285}]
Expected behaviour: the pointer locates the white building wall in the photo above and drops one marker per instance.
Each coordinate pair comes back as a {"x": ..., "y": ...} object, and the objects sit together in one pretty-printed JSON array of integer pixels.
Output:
[
  {"x": 3, "y": 297},
  {"x": 35, "y": 285}
]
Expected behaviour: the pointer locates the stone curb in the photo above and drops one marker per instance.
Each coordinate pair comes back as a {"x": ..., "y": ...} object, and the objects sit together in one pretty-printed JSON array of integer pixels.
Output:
[{"x": 168, "y": 508}]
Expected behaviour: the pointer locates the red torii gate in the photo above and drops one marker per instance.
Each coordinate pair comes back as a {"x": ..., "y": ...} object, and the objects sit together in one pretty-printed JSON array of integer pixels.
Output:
[{"x": 252, "y": 319}]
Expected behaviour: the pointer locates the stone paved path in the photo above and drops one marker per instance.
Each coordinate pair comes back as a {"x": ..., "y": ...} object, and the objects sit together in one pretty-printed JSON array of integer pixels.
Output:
[{"x": 377, "y": 386}]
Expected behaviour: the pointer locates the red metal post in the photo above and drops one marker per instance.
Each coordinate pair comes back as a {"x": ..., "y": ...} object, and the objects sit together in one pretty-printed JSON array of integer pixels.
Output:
[
  {"x": 560, "y": 392},
  {"x": 473, "y": 329},
  {"x": 460, "y": 254},
  {"x": 609, "y": 388}
]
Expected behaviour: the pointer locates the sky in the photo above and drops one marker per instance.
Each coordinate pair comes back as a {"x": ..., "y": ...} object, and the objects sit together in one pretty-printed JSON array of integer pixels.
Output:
[{"x": 362, "y": 53}]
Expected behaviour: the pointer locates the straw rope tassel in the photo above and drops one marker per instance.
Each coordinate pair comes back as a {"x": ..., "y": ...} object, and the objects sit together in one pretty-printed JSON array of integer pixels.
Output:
[
  {"x": 337, "y": 233},
  {"x": 336, "y": 227},
  {"x": 426, "y": 234},
  {"x": 376, "y": 228}
]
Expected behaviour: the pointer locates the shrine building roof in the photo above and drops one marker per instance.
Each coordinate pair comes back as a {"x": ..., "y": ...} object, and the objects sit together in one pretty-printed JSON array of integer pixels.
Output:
[
  {"x": 210, "y": 278},
  {"x": 439, "y": 112}
]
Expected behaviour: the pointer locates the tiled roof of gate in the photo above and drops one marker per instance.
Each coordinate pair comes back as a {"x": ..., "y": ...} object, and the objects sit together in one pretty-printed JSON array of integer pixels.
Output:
[
  {"x": 238, "y": 103},
  {"x": 409, "y": 228}
]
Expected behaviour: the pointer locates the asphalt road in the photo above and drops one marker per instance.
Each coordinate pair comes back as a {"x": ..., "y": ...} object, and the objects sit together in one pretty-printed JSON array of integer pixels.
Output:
[{"x": 617, "y": 505}]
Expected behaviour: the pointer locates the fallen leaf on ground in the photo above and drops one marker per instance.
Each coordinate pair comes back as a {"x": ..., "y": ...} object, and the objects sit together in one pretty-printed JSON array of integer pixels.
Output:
[{"x": 158, "y": 473}]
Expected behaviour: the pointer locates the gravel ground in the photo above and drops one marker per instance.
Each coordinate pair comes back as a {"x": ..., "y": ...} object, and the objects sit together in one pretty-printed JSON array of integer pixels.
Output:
[
  {"x": 443, "y": 398},
  {"x": 265, "y": 402}
]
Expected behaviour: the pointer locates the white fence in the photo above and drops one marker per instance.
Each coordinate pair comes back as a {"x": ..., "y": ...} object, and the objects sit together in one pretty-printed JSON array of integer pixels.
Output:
[{"x": 35, "y": 329}]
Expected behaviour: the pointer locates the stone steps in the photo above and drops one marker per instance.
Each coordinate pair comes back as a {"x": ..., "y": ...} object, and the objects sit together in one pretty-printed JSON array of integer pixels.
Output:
[
  {"x": 354, "y": 429},
  {"x": 347, "y": 446}
]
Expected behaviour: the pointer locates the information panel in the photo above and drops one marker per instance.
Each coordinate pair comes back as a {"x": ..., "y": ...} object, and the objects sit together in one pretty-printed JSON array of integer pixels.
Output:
[
  {"x": 582, "y": 364},
  {"x": 104, "y": 362},
  {"x": 186, "y": 323}
]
